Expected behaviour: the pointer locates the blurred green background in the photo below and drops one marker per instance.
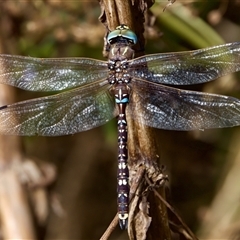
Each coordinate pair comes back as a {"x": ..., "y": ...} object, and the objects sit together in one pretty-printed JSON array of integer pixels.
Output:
[{"x": 200, "y": 164}]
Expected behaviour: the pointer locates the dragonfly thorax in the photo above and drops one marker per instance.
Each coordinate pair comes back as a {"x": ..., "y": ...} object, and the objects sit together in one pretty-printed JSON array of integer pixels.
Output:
[
  {"x": 119, "y": 55},
  {"x": 118, "y": 72},
  {"x": 120, "y": 51}
]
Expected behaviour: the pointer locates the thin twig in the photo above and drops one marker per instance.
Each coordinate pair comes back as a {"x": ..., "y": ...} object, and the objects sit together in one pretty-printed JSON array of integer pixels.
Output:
[
  {"x": 110, "y": 228},
  {"x": 188, "y": 230}
]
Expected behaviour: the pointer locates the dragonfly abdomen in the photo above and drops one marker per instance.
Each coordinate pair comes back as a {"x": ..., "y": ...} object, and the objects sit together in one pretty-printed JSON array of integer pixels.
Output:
[{"x": 122, "y": 98}]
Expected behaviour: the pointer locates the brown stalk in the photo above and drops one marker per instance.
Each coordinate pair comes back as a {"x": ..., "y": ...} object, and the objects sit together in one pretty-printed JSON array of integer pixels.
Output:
[
  {"x": 141, "y": 143},
  {"x": 15, "y": 214}
]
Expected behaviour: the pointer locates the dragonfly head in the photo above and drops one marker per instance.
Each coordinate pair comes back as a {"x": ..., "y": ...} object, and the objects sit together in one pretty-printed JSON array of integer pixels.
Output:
[{"x": 122, "y": 32}]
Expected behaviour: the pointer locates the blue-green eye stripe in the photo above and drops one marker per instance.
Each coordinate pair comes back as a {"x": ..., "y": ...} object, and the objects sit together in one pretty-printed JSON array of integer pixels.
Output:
[
  {"x": 123, "y": 32},
  {"x": 129, "y": 35},
  {"x": 113, "y": 35}
]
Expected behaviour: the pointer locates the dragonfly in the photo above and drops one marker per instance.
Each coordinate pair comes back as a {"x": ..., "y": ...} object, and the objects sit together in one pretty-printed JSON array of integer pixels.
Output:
[{"x": 98, "y": 91}]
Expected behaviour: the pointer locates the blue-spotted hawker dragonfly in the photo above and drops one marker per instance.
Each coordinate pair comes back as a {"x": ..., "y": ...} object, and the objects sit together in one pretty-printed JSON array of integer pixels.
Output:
[{"x": 98, "y": 91}]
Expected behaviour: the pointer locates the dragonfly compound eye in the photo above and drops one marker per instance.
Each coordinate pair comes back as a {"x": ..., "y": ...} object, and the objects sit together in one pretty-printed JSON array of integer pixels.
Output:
[{"x": 122, "y": 32}]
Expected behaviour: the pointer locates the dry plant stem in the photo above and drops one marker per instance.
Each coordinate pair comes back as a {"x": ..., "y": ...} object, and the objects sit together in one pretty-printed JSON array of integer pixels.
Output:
[
  {"x": 186, "y": 230},
  {"x": 16, "y": 220},
  {"x": 141, "y": 141},
  {"x": 110, "y": 228},
  {"x": 14, "y": 208},
  {"x": 15, "y": 215},
  {"x": 169, "y": 4},
  {"x": 142, "y": 146},
  {"x": 118, "y": 12}
]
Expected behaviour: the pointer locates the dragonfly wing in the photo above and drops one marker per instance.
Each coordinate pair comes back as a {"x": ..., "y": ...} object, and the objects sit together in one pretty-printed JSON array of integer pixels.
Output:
[
  {"x": 169, "y": 108},
  {"x": 50, "y": 74},
  {"x": 192, "y": 67},
  {"x": 61, "y": 114}
]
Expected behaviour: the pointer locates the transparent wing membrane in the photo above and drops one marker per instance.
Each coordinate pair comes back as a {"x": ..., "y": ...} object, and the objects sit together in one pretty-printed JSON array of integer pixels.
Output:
[
  {"x": 184, "y": 68},
  {"x": 174, "y": 109},
  {"x": 61, "y": 114},
  {"x": 52, "y": 74}
]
